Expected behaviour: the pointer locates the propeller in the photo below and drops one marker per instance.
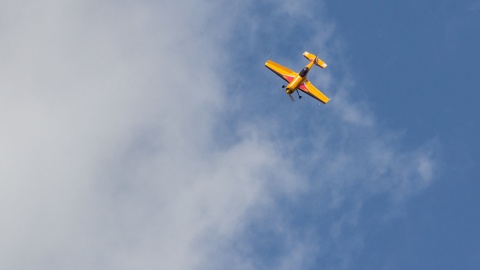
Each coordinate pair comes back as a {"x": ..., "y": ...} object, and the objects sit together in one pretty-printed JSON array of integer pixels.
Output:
[{"x": 291, "y": 97}]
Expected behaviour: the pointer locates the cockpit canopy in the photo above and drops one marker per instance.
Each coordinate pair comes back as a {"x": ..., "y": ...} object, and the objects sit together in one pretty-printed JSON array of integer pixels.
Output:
[{"x": 304, "y": 72}]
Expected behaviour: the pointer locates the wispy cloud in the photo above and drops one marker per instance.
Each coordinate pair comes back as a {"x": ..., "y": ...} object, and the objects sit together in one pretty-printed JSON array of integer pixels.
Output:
[
  {"x": 343, "y": 158},
  {"x": 115, "y": 156}
]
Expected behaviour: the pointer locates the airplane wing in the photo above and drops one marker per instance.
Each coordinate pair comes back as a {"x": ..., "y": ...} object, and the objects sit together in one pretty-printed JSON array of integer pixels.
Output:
[
  {"x": 311, "y": 90},
  {"x": 285, "y": 73}
]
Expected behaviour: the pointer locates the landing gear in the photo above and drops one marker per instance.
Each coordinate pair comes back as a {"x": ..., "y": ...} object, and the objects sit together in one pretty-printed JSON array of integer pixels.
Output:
[
  {"x": 283, "y": 86},
  {"x": 299, "y": 97}
]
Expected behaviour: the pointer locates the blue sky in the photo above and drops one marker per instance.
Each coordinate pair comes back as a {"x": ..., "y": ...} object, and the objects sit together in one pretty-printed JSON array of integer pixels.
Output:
[
  {"x": 413, "y": 65},
  {"x": 149, "y": 135},
  {"x": 421, "y": 78}
]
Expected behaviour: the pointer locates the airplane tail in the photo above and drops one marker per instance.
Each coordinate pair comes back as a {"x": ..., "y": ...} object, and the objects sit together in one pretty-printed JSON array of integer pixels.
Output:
[{"x": 311, "y": 57}]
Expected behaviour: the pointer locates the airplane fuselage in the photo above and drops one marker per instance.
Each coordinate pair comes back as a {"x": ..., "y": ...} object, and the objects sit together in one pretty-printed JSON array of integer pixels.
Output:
[{"x": 298, "y": 80}]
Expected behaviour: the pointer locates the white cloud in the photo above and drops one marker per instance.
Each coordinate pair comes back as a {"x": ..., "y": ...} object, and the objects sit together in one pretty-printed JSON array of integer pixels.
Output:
[{"x": 109, "y": 156}]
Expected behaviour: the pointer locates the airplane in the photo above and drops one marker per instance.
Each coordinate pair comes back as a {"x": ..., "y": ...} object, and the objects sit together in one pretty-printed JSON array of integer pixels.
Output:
[{"x": 299, "y": 80}]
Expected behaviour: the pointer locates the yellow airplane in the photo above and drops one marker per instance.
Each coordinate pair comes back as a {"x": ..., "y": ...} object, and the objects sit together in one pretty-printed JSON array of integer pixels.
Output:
[{"x": 299, "y": 80}]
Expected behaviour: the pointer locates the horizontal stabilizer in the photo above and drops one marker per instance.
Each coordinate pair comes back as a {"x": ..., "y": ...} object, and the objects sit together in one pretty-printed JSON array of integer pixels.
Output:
[{"x": 312, "y": 57}]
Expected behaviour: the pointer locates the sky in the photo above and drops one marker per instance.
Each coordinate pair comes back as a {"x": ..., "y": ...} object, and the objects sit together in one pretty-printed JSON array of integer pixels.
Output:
[{"x": 149, "y": 135}]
